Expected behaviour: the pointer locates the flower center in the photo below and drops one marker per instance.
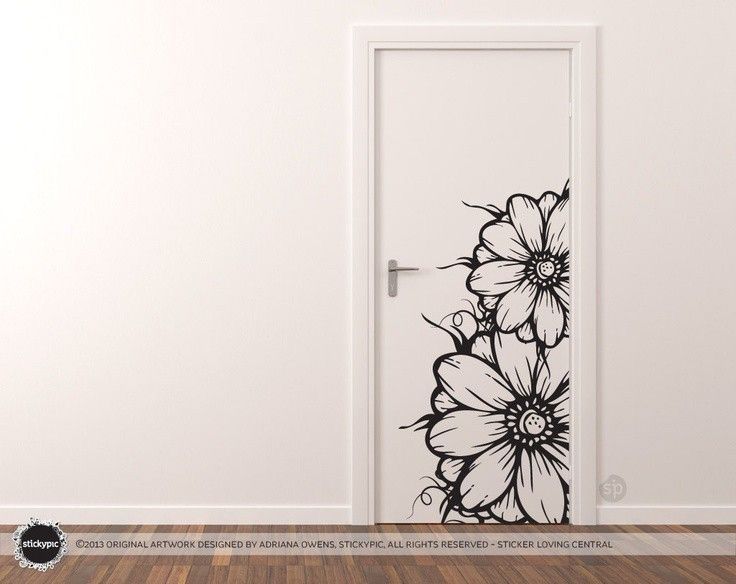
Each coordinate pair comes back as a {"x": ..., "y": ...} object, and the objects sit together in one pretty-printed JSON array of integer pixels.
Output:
[
  {"x": 532, "y": 423},
  {"x": 546, "y": 269}
]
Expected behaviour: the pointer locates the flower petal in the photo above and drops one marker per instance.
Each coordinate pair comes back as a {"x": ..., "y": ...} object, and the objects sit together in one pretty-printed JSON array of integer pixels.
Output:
[
  {"x": 561, "y": 405},
  {"x": 489, "y": 302},
  {"x": 562, "y": 289},
  {"x": 454, "y": 516},
  {"x": 547, "y": 202},
  {"x": 549, "y": 318},
  {"x": 449, "y": 469},
  {"x": 483, "y": 347},
  {"x": 507, "y": 509},
  {"x": 540, "y": 488},
  {"x": 482, "y": 254},
  {"x": 525, "y": 332},
  {"x": 553, "y": 368},
  {"x": 442, "y": 402},
  {"x": 559, "y": 455},
  {"x": 465, "y": 433},
  {"x": 503, "y": 240},
  {"x": 527, "y": 219},
  {"x": 516, "y": 306},
  {"x": 496, "y": 277},
  {"x": 489, "y": 476},
  {"x": 516, "y": 360},
  {"x": 472, "y": 382},
  {"x": 557, "y": 236}
]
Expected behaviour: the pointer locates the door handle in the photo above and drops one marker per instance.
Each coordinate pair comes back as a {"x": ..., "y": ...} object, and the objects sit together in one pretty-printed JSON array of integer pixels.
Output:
[{"x": 393, "y": 276}]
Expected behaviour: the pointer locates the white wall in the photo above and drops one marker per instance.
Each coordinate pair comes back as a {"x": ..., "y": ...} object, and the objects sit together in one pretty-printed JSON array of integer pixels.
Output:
[{"x": 174, "y": 262}]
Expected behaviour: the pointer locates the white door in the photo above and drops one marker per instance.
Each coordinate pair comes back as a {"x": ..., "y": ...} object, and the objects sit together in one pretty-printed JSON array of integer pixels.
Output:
[{"x": 472, "y": 155}]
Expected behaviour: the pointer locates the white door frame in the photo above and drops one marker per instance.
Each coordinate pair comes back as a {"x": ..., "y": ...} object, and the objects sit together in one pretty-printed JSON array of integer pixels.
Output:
[{"x": 580, "y": 41}]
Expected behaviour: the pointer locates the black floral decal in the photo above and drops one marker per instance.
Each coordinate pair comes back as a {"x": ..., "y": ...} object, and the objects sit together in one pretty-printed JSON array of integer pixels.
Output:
[{"x": 500, "y": 410}]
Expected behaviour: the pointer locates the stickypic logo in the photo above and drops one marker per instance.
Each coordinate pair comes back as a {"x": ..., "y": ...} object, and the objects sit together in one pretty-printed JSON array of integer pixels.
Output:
[
  {"x": 613, "y": 489},
  {"x": 39, "y": 545}
]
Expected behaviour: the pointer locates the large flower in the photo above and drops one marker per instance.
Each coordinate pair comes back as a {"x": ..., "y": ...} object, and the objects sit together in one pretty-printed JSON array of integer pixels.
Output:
[
  {"x": 501, "y": 429},
  {"x": 521, "y": 268}
]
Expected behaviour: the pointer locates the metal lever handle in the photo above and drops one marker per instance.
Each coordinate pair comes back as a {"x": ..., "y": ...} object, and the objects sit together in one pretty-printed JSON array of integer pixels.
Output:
[{"x": 393, "y": 273}]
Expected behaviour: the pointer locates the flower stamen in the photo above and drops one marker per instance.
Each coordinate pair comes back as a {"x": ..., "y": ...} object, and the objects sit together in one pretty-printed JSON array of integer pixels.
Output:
[{"x": 544, "y": 270}]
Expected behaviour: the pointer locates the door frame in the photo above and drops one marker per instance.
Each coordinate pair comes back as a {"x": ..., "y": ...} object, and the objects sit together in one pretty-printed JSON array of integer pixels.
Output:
[{"x": 580, "y": 41}]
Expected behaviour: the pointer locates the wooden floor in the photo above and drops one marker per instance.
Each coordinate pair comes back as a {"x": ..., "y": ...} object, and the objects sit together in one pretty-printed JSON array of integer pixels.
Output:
[{"x": 349, "y": 569}]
